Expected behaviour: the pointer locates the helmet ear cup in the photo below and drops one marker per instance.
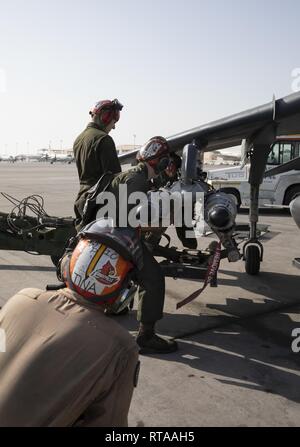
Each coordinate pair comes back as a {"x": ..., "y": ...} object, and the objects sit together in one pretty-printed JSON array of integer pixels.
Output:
[
  {"x": 106, "y": 116},
  {"x": 162, "y": 164},
  {"x": 63, "y": 267}
]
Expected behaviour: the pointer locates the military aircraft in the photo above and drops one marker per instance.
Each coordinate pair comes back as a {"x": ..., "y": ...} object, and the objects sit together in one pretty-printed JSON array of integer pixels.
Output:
[
  {"x": 37, "y": 157},
  {"x": 255, "y": 129},
  {"x": 61, "y": 158},
  {"x": 9, "y": 158},
  {"x": 51, "y": 158}
]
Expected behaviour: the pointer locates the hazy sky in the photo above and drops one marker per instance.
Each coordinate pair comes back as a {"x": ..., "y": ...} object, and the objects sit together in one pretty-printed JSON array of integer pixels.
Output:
[{"x": 173, "y": 64}]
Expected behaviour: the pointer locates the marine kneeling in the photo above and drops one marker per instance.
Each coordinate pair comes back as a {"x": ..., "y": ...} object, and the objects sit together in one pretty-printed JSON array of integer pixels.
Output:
[{"x": 66, "y": 363}]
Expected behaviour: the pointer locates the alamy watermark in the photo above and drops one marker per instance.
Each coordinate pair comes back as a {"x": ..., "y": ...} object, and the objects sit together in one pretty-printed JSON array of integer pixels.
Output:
[
  {"x": 155, "y": 209},
  {"x": 3, "y": 81},
  {"x": 2, "y": 340},
  {"x": 295, "y": 74},
  {"x": 296, "y": 342}
]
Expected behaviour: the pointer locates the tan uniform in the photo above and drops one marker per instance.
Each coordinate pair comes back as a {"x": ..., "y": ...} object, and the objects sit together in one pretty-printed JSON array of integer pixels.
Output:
[{"x": 66, "y": 363}]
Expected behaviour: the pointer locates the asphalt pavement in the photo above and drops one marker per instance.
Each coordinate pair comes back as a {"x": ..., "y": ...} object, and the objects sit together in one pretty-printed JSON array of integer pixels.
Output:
[{"x": 235, "y": 365}]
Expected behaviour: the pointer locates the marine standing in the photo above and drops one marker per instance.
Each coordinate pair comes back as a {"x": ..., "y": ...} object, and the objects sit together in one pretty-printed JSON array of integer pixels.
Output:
[{"x": 95, "y": 151}]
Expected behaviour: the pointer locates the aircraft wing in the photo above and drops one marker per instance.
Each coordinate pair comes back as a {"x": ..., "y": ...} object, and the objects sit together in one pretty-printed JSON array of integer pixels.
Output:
[
  {"x": 232, "y": 130},
  {"x": 285, "y": 167}
]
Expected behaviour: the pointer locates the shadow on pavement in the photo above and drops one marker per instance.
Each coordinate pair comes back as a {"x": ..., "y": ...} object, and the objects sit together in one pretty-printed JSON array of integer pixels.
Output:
[
  {"x": 252, "y": 353},
  {"x": 274, "y": 286},
  {"x": 268, "y": 211},
  {"x": 243, "y": 359}
]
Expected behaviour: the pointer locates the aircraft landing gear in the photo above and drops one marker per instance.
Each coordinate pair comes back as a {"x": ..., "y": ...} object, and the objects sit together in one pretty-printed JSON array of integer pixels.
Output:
[
  {"x": 252, "y": 255},
  {"x": 253, "y": 250},
  {"x": 258, "y": 154}
]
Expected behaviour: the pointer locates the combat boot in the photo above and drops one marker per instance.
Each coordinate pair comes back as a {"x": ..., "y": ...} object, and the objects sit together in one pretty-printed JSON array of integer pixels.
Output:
[{"x": 150, "y": 343}]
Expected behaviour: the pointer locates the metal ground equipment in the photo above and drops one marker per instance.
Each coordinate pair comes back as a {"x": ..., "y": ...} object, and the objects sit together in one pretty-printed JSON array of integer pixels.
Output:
[{"x": 29, "y": 228}]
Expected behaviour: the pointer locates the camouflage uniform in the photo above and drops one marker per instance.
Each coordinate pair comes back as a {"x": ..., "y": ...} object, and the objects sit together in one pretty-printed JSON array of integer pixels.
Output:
[
  {"x": 95, "y": 153},
  {"x": 151, "y": 278}
]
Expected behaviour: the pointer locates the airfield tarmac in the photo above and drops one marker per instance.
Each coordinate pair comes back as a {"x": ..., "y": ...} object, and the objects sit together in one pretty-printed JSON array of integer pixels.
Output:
[{"x": 235, "y": 365}]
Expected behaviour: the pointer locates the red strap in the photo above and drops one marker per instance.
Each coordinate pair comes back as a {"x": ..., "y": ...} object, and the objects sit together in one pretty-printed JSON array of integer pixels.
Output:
[{"x": 211, "y": 272}]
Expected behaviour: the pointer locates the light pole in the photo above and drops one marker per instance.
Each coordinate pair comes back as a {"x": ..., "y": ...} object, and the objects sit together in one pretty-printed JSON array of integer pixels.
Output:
[{"x": 134, "y": 137}]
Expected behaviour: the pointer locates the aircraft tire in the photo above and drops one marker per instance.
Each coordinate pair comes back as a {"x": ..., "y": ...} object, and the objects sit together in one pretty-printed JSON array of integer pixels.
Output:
[{"x": 252, "y": 263}]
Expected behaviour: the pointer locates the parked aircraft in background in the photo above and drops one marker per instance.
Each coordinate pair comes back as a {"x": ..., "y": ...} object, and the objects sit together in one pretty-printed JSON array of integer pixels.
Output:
[
  {"x": 61, "y": 158},
  {"x": 36, "y": 157},
  {"x": 45, "y": 157},
  {"x": 9, "y": 158}
]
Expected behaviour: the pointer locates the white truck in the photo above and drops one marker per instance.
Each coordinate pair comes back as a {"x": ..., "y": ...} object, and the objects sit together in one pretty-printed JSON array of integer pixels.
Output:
[{"x": 277, "y": 191}]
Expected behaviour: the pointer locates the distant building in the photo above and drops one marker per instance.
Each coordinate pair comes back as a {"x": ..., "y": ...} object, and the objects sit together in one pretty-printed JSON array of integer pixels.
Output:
[
  {"x": 123, "y": 148},
  {"x": 217, "y": 158}
]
